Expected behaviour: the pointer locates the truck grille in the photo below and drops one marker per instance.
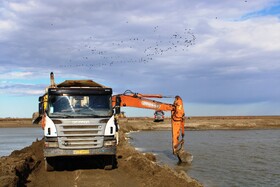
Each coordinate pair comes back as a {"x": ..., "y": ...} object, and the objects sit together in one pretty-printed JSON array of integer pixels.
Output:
[{"x": 80, "y": 136}]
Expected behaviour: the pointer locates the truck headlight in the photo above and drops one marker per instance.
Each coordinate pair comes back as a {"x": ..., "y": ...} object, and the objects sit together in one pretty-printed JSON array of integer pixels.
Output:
[
  {"x": 51, "y": 144},
  {"x": 108, "y": 143}
]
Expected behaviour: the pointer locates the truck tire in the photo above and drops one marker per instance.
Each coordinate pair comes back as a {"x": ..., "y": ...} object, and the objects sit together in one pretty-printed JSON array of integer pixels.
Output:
[{"x": 48, "y": 165}]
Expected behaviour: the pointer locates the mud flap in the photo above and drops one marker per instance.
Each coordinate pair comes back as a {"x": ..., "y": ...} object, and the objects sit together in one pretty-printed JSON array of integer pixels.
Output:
[{"x": 49, "y": 164}]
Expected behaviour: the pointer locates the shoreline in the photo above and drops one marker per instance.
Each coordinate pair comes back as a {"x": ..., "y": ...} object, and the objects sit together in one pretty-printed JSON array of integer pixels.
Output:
[
  {"x": 17, "y": 123},
  {"x": 210, "y": 123},
  {"x": 191, "y": 123}
]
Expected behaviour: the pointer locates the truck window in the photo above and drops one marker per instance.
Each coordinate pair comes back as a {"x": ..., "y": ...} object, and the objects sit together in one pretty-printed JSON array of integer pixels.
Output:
[
  {"x": 77, "y": 105},
  {"x": 61, "y": 104}
]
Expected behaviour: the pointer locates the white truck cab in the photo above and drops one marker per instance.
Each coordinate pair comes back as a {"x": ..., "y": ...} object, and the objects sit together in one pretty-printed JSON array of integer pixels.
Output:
[{"x": 78, "y": 120}]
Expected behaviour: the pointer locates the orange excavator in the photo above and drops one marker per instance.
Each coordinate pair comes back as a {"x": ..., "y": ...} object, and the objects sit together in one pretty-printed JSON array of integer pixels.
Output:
[{"x": 130, "y": 99}]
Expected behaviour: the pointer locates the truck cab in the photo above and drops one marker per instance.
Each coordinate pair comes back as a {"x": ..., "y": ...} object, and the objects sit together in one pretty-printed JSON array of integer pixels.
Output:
[{"x": 78, "y": 120}]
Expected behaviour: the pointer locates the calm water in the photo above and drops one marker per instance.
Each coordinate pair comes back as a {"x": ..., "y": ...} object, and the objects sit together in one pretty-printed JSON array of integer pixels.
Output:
[
  {"x": 17, "y": 138},
  {"x": 221, "y": 158}
]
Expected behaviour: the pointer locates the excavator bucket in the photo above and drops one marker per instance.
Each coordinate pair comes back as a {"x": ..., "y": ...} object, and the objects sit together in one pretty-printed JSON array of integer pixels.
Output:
[{"x": 184, "y": 157}]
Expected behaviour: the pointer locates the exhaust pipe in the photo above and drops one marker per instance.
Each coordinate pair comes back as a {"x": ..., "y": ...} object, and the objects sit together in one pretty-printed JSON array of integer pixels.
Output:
[{"x": 53, "y": 85}]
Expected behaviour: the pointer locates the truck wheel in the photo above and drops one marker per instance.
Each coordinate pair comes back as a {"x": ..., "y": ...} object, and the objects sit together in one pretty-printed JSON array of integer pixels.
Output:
[{"x": 48, "y": 165}]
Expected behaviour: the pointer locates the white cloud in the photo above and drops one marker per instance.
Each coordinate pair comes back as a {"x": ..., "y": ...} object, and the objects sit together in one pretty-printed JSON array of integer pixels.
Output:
[
  {"x": 22, "y": 92},
  {"x": 26, "y": 6},
  {"x": 6, "y": 25},
  {"x": 144, "y": 19},
  {"x": 20, "y": 89},
  {"x": 16, "y": 75},
  {"x": 259, "y": 33}
]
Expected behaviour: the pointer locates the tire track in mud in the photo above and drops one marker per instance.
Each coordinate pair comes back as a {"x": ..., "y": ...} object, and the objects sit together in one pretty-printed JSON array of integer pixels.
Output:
[{"x": 77, "y": 177}]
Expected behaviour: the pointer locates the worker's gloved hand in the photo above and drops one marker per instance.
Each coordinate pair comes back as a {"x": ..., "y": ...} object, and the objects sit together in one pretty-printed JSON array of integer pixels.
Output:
[{"x": 183, "y": 135}]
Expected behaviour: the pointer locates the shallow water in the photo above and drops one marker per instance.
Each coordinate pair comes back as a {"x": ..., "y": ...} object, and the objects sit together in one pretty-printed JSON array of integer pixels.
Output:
[
  {"x": 221, "y": 158},
  {"x": 17, "y": 138}
]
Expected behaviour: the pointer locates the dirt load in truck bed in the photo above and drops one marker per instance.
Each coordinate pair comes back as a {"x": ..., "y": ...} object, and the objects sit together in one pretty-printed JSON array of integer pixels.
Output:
[{"x": 26, "y": 168}]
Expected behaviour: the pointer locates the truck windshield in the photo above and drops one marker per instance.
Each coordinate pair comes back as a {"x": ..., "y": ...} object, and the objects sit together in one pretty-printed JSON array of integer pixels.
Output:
[{"x": 80, "y": 106}]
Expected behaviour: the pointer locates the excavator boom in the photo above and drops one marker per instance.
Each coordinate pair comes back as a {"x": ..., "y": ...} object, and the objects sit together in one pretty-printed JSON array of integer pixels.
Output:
[
  {"x": 139, "y": 102},
  {"x": 130, "y": 99}
]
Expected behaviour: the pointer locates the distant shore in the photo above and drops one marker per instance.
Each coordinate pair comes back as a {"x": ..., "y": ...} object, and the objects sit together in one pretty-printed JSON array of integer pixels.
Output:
[
  {"x": 210, "y": 123},
  {"x": 191, "y": 123},
  {"x": 16, "y": 122}
]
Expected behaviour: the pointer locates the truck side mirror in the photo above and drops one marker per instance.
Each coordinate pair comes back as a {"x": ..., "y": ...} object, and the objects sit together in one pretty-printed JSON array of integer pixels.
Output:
[
  {"x": 117, "y": 107},
  {"x": 37, "y": 116},
  {"x": 41, "y": 106}
]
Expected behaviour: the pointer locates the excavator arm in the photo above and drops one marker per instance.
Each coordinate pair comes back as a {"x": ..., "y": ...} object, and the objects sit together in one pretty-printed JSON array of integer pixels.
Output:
[{"x": 130, "y": 99}]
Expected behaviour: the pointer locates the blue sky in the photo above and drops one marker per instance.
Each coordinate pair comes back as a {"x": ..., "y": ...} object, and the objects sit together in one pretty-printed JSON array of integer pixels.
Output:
[
  {"x": 221, "y": 57},
  {"x": 272, "y": 10}
]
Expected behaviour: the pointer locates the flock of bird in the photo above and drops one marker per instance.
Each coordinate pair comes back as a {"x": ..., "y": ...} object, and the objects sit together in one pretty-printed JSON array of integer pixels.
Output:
[{"x": 94, "y": 52}]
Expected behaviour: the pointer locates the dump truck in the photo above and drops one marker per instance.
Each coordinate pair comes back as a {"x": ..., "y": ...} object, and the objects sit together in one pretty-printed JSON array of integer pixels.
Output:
[{"x": 79, "y": 118}]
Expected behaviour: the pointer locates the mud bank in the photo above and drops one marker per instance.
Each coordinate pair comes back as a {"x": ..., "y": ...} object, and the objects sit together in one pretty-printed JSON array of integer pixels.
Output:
[
  {"x": 26, "y": 168},
  {"x": 209, "y": 123},
  {"x": 233, "y": 122}
]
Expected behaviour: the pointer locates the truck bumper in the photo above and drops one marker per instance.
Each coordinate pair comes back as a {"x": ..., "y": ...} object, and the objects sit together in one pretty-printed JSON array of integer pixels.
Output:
[{"x": 53, "y": 152}]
